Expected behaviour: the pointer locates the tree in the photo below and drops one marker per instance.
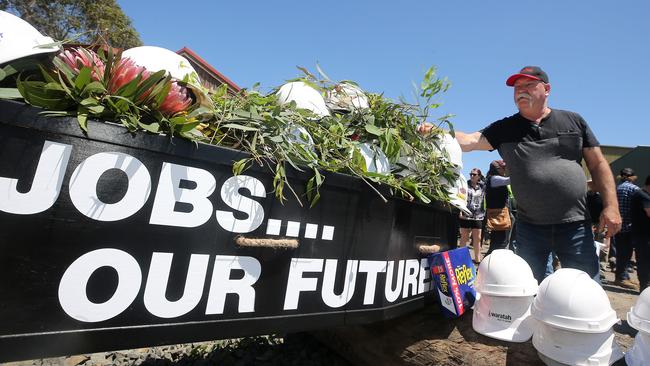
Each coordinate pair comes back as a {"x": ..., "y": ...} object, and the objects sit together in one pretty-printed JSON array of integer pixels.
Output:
[{"x": 82, "y": 21}]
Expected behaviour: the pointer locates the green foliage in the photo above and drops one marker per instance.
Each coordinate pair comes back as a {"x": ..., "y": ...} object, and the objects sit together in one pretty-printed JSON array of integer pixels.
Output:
[
  {"x": 277, "y": 136},
  {"x": 90, "y": 22},
  {"x": 84, "y": 93}
]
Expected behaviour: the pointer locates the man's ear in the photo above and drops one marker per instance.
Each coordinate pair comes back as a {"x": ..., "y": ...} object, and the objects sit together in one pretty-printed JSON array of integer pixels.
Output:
[{"x": 547, "y": 87}]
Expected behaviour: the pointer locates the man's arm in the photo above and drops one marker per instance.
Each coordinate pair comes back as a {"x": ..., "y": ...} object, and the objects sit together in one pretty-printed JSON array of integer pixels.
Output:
[
  {"x": 473, "y": 141},
  {"x": 603, "y": 180},
  {"x": 467, "y": 141},
  {"x": 646, "y": 206}
]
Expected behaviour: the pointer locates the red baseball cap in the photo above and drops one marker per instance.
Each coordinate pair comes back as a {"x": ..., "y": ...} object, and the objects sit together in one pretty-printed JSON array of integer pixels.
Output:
[{"x": 530, "y": 72}]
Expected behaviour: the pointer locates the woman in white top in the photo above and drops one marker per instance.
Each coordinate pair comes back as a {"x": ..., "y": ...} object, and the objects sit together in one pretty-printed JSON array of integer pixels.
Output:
[{"x": 472, "y": 224}]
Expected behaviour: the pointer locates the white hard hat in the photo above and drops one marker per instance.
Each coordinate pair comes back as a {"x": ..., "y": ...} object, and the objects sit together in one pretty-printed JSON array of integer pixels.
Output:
[
  {"x": 457, "y": 191},
  {"x": 347, "y": 97},
  {"x": 566, "y": 347},
  {"x": 503, "y": 273},
  {"x": 599, "y": 246},
  {"x": 376, "y": 160},
  {"x": 20, "y": 39},
  {"x": 404, "y": 167},
  {"x": 300, "y": 135},
  {"x": 548, "y": 362},
  {"x": 504, "y": 318},
  {"x": 305, "y": 97},
  {"x": 639, "y": 354},
  {"x": 569, "y": 299},
  {"x": 450, "y": 145},
  {"x": 639, "y": 315},
  {"x": 506, "y": 287},
  {"x": 157, "y": 58}
]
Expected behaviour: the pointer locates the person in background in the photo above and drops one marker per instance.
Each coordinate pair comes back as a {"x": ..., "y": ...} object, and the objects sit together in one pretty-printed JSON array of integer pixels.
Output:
[
  {"x": 594, "y": 203},
  {"x": 640, "y": 215},
  {"x": 595, "y": 207},
  {"x": 623, "y": 240},
  {"x": 496, "y": 197},
  {"x": 472, "y": 224},
  {"x": 543, "y": 149}
]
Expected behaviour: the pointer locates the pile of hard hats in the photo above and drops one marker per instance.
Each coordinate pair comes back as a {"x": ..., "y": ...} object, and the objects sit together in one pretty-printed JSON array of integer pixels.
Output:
[
  {"x": 305, "y": 97},
  {"x": 574, "y": 321},
  {"x": 568, "y": 315},
  {"x": 505, "y": 290},
  {"x": 639, "y": 318},
  {"x": 346, "y": 97}
]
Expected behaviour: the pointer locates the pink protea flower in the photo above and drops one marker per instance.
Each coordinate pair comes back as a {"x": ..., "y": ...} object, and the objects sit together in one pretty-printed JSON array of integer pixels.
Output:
[
  {"x": 77, "y": 58},
  {"x": 125, "y": 71},
  {"x": 177, "y": 100}
]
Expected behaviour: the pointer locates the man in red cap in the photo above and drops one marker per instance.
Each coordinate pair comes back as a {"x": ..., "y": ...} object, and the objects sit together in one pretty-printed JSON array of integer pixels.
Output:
[{"x": 543, "y": 149}]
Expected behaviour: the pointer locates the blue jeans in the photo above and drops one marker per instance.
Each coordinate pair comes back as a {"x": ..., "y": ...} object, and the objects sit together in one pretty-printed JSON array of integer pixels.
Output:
[
  {"x": 642, "y": 245},
  {"x": 572, "y": 242},
  {"x": 549, "y": 266}
]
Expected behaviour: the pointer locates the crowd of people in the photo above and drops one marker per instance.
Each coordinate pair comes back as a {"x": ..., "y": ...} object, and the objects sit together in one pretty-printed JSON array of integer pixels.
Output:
[
  {"x": 492, "y": 193},
  {"x": 542, "y": 150},
  {"x": 488, "y": 199}
]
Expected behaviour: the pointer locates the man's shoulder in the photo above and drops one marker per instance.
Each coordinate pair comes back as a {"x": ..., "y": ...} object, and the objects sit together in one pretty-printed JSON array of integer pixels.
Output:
[
  {"x": 640, "y": 198},
  {"x": 505, "y": 122},
  {"x": 633, "y": 186},
  {"x": 627, "y": 187},
  {"x": 566, "y": 115},
  {"x": 566, "y": 112},
  {"x": 641, "y": 195},
  {"x": 510, "y": 119}
]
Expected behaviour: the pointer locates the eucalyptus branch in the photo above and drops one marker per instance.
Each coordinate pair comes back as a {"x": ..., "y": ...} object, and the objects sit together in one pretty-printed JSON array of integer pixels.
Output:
[{"x": 372, "y": 187}]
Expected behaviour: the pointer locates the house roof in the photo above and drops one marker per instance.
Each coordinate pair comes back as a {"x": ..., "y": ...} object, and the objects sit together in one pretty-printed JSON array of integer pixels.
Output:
[
  {"x": 610, "y": 153},
  {"x": 208, "y": 68},
  {"x": 637, "y": 159}
]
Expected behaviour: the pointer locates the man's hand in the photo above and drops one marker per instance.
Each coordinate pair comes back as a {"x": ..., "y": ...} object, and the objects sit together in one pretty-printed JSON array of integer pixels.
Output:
[
  {"x": 610, "y": 218},
  {"x": 424, "y": 128},
  {"x": 601, "y": 174},
  {"x": 467, "y": 141}
]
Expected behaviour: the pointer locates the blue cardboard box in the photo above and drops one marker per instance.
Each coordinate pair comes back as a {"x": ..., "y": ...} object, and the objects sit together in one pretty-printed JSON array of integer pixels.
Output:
[{"x": 454, "y": 275}]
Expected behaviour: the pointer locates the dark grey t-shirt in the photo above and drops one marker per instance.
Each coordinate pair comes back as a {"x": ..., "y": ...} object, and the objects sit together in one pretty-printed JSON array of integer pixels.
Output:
[{"x": 544, "y": 164}]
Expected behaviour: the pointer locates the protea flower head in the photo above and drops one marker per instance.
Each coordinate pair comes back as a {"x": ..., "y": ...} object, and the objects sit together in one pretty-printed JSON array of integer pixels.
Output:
[
  {"x": 125, "y": 71},
  {"x": 77, "y": 58},
  {"x": 177, "y": 100}
]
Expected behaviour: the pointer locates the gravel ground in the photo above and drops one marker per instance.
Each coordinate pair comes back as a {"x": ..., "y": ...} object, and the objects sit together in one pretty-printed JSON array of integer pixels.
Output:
[{"x": 294, "y": 349}]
